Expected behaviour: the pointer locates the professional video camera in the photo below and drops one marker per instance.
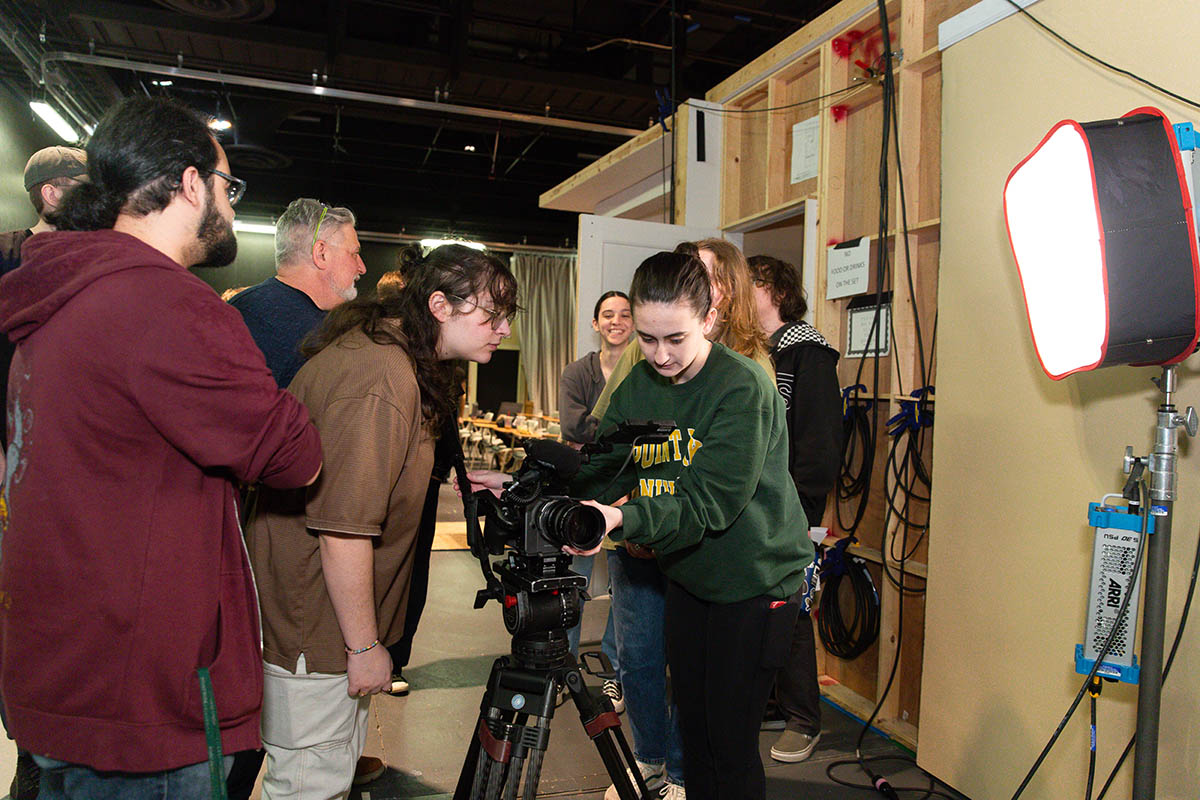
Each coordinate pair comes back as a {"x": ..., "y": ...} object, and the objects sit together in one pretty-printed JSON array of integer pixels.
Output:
[
  {"x": 533, "y": 519},
  {"x": 533, "y": 515}
]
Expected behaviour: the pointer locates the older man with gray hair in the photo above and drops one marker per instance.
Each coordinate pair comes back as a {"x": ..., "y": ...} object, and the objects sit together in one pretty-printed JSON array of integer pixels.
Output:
[{"x": 317, "y": 262}]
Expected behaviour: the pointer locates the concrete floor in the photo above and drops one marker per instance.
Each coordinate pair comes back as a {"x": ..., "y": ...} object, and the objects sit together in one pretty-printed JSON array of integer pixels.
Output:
[{"x": 423, "y": 736}]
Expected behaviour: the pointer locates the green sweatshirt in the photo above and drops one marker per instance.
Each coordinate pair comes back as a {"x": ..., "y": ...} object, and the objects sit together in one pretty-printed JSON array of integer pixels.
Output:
[{"x": 716, "y": 503}]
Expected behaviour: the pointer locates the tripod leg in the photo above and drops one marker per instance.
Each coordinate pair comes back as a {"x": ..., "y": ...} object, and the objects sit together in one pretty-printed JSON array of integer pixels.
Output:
[
  {"x": 483, "y": 765},
  {"x": 480, "y": 764},
  {"x": 603, "y": 726},
  {"x": 495, "y": 779},
  {"x": 532, "y": 774}
]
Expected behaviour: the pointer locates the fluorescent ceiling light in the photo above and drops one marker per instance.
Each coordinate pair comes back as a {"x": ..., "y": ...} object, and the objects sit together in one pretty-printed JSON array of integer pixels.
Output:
[
  {"x": 463, "y": 242},
  {"x": 54, "y": 120},
  {"x": 220, "y": 124},
  {"x": 253, "y": 227}
]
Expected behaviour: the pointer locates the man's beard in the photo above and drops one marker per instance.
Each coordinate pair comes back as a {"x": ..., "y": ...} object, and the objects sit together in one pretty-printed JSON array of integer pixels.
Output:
[
  {"x": 215, "y": 238},
  {"x": 347, "y": 294}
]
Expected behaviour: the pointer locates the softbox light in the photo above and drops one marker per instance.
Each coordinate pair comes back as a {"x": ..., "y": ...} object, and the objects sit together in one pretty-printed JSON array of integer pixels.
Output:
[{"x": 1101, "y": 227}]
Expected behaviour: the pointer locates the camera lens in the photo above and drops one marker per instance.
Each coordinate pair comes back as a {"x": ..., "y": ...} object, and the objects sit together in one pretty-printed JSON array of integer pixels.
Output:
[{"x": 566, "y": 522}]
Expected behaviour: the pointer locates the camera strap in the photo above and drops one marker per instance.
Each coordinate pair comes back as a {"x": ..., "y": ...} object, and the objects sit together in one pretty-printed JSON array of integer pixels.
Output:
[{"x": 471, "y": 512}]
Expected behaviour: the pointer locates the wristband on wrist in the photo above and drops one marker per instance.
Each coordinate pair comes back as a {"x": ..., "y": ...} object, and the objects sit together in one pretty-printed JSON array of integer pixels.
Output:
[{"x": 361, "y": 650}]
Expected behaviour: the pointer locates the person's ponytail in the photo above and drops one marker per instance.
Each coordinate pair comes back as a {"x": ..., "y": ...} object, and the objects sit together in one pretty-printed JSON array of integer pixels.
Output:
[{"x": 88, "y": 207}]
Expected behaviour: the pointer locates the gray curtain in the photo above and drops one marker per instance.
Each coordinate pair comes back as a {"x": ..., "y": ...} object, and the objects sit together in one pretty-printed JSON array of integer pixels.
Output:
[{"x": 547, "y": 325}]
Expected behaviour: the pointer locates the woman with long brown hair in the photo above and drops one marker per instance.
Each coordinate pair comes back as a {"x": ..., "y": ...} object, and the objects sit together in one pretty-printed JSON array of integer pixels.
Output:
[
  {"x": 334, "y": 562},
  {"x": 732, "y": 288}
]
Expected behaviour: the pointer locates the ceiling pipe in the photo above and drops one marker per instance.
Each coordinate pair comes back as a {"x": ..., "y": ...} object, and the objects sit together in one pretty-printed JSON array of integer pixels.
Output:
[
  {"x": 335, "y": 94},
  {"x": 64, "y": 99},
  {"x": 631, "y": 43}
]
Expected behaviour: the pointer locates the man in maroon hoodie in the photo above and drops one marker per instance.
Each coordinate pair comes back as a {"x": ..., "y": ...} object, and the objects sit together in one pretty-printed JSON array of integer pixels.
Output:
[{"x": 136, "y": 398}]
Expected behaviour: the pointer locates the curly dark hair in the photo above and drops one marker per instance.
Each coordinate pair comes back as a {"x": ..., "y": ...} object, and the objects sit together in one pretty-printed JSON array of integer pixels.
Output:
[
  {"x": 784, "y": 282},
  {"x": 403, "y": 318}
]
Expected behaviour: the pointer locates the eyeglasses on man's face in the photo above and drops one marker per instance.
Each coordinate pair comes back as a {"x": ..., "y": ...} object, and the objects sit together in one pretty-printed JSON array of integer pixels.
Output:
[
  {"x": 495, "y": 318},
  {"x": 234, "y": 187}
]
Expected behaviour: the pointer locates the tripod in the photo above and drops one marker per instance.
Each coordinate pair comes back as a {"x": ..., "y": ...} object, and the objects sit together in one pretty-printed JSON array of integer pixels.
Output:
[{"x": 514, "y": 724}]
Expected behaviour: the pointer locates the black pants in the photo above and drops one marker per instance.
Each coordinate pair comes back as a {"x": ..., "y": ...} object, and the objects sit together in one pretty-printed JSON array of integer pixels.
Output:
[
  {"x": 723, "y": 659},
  {"x": 418, "y": 587},
  {"x": 796, "y": 689}
]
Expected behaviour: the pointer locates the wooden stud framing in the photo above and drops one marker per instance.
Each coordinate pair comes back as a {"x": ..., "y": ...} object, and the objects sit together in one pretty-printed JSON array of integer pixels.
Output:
[{"x": 757, "y": 184}]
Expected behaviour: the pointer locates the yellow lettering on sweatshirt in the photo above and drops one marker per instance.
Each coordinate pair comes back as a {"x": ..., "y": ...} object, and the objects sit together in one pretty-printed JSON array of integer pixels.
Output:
[
  {"x": 694, "y": 444},
  {"x": 651, "y": 487}
]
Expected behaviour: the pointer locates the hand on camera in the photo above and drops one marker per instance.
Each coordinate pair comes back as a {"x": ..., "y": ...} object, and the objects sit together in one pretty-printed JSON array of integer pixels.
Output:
[
  {"x": 612, "y": 520},
  {"x": 370, "y": 672},
  {"x": 485, "y": 479}
]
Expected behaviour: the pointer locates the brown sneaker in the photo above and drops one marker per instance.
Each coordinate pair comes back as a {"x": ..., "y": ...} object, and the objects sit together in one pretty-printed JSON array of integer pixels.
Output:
[
  {"x": 369, "y": 768},
  {"x": 794, "y": 746}
]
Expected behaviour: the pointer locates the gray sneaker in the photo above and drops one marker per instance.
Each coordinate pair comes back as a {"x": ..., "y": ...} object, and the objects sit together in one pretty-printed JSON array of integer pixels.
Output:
[{"x": 794, "y": 746}]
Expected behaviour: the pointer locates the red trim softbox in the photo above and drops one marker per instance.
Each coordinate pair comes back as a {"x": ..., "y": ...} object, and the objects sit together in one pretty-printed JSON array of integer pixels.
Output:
[{"x": 1101, "y": 227}]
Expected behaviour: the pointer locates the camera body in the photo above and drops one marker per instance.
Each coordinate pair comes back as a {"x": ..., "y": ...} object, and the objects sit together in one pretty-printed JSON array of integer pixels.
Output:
[
  {"x": 531, "y": 521},
  {"x": 533, "y": 515}
]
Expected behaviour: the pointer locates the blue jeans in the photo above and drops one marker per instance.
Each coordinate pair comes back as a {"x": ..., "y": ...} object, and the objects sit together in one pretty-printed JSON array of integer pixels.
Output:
[
  {"x": 583, "y": 565},
  {"x": 638, "y": 604},
  {"x": 63, "y": 781}
]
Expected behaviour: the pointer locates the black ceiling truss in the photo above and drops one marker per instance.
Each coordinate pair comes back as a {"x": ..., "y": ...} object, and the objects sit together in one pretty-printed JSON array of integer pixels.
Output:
[{"x": 402, "y": 168}]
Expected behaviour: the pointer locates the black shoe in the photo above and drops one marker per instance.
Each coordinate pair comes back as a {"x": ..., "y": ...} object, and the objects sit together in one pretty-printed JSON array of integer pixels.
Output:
[
  {"x": 399, "y": 683},
  {"x": 26, "y": 779}
]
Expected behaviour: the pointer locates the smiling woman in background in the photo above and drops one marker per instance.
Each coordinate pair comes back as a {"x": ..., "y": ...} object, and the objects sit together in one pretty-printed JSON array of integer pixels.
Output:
[
  {"x": 580, "y": 387},
  {"x": 583, "y": 380}
]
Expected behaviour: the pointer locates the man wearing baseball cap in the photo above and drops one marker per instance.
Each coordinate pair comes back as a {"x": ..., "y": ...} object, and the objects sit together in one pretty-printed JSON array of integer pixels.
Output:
[{"x": 50, "y": 173}]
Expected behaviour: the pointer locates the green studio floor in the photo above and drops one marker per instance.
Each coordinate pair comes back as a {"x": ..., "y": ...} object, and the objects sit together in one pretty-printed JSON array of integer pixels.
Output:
[{"x": 423, "y": 736}]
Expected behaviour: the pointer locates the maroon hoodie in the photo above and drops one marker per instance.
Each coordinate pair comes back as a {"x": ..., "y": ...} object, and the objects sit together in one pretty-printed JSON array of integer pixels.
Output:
[{"x": 136, "y": 397}]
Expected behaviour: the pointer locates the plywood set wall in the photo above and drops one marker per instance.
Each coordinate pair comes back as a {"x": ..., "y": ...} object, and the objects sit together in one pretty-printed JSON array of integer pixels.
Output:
[
  {"x": 1018, "y": 455},
  {"x": 805, "y": 77}
]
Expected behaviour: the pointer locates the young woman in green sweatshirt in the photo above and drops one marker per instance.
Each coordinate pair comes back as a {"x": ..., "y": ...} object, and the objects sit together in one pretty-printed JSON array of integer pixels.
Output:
[{"x": 716, "y": 505}]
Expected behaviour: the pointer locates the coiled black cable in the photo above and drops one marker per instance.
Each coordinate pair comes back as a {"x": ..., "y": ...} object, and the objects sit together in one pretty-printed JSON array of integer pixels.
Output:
[
  {"x": 858, "y": 461},
  {"x": 847, "y": 633}
]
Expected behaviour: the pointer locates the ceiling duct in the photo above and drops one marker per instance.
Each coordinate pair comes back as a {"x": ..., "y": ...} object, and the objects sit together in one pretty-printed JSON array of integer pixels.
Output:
[
  {"x": 249, "y": 144},
  {"x": 222, "y": 10}
]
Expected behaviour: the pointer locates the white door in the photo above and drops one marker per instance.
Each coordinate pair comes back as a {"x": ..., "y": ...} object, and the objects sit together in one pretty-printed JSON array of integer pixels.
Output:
[{"x": 610, "y": 250}]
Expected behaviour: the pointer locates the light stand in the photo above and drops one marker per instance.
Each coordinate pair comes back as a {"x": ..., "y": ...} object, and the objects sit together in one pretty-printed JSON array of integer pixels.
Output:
[
  {"x": 1163, "y": 479},
  {"x": 1103, "y": 227}
]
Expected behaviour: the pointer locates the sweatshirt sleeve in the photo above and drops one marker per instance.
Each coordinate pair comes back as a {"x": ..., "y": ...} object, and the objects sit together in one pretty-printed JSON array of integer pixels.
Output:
[
  {"x": 814, "y": 418},
  {"x": 574, "y": 405},
  {"x": 717, "y": 484},
  {"x": 624, "y": 365},
  {"x": 205, "y": 386}
]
